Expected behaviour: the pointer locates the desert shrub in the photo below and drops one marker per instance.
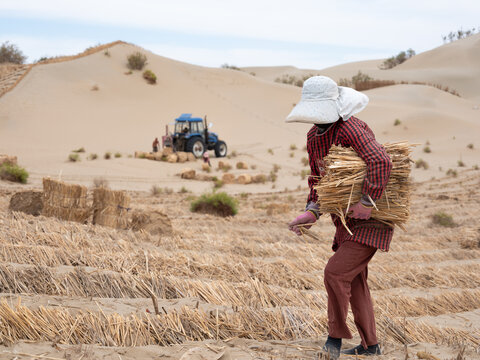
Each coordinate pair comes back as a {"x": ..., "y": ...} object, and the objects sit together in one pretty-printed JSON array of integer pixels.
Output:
[
  {"x": 443, "y": 219},
  {"x": 80, "y": 150},
  {"x": 92, "y": 157},
  {"x": 293, "y": 147},
  {"x": 253, "y": 166},
  {"x": 95, "y": 88},
  {"x": 231, "y": 67},
  {"x": 215, "y": 203},
  {"x": 184, "y": 190},
  {"x": 459, "y": 34},
  {"x": 470, "y": 146},
  {"x": 217, "y": 183},
  {"x": 150, "y": 77},
  {"x": 427, "y": 149},
  {"x": 420, "y": 163},
  {"x": 292, "y": 154},
  {"x": 475, "y": 167},
  {"x": 397, "y": 122},
  {"x": 156, "y": 190},
  {"x": 107, "y": 155},
  {"x": 10, "y": 53},
  {"x": 270, "y": 151},
  {"x": 106, "y": 52},
  {"x": 142, "y": 156},
  {"x": 276, "y": 167},
  {"x": 293, "y": 80},
  {"x": 272, "y": 176},
  {"x": 233, "y": 153},
  {"x": 451, "y": 172},
  {"x": 304, "y": 161},
  {"x": 118, "y": 155},
  {"x": 130, "y": 72},
  {"x": 73, "y": 157},
  {"x": 100, "y": 182},
  {"x": 136, "y": 61},
  {"x": 362, "y": 82},
  {"x": 244, "y": 195},
  {"x": 13, "y": 173},
  {"x": 460, "y": 163},
  {"x": 401, "y": 57},
  {"x": 167, "y": 190}
]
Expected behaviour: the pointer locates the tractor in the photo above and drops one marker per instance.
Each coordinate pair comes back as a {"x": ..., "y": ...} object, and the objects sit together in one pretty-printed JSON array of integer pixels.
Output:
[{"x": 192, "y": 135}]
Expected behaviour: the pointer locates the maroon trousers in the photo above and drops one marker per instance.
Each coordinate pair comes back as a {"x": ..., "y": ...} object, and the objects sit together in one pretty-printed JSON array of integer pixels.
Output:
[{"x": 346, "y": 281}]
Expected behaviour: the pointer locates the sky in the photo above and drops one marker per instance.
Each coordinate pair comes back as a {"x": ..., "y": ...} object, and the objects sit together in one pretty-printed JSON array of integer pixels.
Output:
[{"x": 311, "y": 34}]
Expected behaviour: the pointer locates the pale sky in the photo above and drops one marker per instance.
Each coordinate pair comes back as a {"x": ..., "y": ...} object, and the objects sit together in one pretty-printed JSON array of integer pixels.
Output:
[{"x": 303, "y": 33}]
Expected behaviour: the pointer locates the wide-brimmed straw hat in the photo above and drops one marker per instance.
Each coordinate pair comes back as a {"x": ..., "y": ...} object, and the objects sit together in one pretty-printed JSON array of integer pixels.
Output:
[{"x": 324, "y": 102}]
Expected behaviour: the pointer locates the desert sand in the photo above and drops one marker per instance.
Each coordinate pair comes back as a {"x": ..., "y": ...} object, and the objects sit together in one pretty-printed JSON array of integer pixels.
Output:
[{"x": 426, "y": 288}]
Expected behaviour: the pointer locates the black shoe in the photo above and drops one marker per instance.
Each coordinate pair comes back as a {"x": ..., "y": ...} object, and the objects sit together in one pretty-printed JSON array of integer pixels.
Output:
[
  {"x": 332, "y": 346},
  {"x": 359, "y": 350}
]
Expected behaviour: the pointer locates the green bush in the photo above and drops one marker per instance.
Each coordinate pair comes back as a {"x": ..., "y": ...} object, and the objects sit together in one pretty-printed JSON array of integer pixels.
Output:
[
  {"x": 107, "y": 155},
  {"x": 150, "y": 77},
  {"x": 10, "y": 53},
  {"x": 427, "y": 149},
  {"x": 460, "y": 163},
  {"x": 305, "y": 161},
  {"x": 470, "y": 146},
  {"x": 451, "y": 172},
  {"x": 136, "y": 61},
  {"x": 217, "y": 183},
  {"x": 293, "y": 147},
  {"x": 220, "y": 204},
  {"x": 13, "y": 173},
  {"x": 73, "y": 158},
  {"x": 118, "y": 155},
  {"x": 92, "y": 157},
  {"x": 443, "y": 219}
]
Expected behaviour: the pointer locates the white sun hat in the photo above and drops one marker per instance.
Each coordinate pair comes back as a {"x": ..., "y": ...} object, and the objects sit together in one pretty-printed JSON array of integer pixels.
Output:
[{"x": 324, "y": 102}]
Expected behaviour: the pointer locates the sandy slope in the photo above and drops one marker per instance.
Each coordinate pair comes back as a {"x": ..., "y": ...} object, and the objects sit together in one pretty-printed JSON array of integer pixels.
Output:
[
  {"x": 53, "y": 111},
  {"x": 456, "y": 65}
]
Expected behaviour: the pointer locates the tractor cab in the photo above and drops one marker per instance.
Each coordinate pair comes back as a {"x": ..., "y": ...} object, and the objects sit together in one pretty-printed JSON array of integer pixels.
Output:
[{"x": 191, "y": 134}]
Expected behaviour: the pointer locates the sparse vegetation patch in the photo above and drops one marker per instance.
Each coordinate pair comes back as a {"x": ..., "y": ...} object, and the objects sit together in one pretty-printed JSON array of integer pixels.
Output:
[
  {"x": 136, "y": 61},
  {"x": 73, "y": 157},
  {"x": 220, "y": 204},
  {"x": 443, "y": 219},
  {"x": 10, "y": 53},
  {"x": 13, "y": 173},
  {"x": 150, "y": 77}
]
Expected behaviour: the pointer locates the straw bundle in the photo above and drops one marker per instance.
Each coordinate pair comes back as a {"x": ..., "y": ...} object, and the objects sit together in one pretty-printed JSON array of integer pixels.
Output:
[
  {"x": 110, "y": 208},
  {"x": 345, "y": 171},
  {"x": 65, "y": 201}
]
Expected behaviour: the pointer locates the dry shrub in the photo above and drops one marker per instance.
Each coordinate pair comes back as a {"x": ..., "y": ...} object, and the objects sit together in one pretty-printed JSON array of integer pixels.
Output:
[
  {"x": 220, "y": 204},
  {"x": 136, "y": 61},
  {"x": 443, "y": 219},
  {"x": 420, "y": 163},
  {"x": 10, "y": 53},
  {"x": 73, "y": 157}
]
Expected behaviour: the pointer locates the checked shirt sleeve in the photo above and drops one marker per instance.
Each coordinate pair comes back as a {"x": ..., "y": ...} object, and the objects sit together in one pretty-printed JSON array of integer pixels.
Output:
[{"x": 379, "y": 165}]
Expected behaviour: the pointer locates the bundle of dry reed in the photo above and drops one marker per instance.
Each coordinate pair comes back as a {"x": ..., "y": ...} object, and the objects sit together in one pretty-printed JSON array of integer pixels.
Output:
[
  {"x": 342, "y": 184},
  {"x": 110, "y": 208},
  {"x": 65, "y": 201}
]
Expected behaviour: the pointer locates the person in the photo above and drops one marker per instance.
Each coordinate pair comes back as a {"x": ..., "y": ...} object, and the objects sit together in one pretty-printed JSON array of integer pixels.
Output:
[
  {"x": 206, "y": 158},
  {"x": 330, "y": 108},
  {"x": 155, "y": 145}
]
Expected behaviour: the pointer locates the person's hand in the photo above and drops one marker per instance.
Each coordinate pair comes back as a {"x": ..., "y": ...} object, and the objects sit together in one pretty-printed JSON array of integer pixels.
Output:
[
  {"x": 360, "y": 211},
  {"x": 307, "y": 219}
]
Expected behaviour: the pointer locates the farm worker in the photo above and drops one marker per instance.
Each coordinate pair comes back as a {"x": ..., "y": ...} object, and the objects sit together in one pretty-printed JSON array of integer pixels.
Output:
[
  {"x": 330, "y": 108},
  {"x": 155, "y": 145},
  {"x": 206, "y": 158}
]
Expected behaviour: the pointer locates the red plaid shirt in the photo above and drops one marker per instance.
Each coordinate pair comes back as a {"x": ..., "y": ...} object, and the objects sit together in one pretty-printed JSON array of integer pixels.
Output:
[{"x": 356, "y": 134}]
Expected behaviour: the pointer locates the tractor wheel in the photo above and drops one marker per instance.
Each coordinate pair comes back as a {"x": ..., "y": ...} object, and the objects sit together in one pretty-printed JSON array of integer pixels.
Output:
[
  {"x": 220, "y": 149},
  {"x": 196, "y": 146}
]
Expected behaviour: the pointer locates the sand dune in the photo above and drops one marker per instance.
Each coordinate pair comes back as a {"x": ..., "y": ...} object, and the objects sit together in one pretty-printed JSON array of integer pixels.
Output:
[{"x": 54, "y": 110}]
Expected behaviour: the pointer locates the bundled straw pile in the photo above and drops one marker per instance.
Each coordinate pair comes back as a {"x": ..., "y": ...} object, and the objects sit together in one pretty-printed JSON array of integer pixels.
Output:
[
  {"x": 65, "y": 201},
  {"x": 345, "y": 171},
  {"x": 110, "y": 208}
]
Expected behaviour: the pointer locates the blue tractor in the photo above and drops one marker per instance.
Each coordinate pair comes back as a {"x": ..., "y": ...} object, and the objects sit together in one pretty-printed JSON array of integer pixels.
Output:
[{"x": 191, "y": 135}]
